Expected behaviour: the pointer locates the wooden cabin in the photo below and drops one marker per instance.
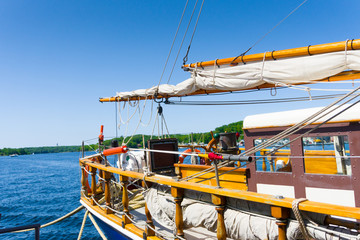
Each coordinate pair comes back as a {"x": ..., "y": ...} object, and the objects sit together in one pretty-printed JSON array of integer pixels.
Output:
[{"x": 321, "y": 166}]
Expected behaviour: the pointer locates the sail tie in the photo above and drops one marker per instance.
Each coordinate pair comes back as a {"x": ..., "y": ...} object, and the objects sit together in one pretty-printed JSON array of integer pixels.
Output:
[
  {"x": 215, "y": 67},
  {"x": 308, "y": 91},
  {"x": 262, "y": 68},
  {"x": 346, "y": 64}
]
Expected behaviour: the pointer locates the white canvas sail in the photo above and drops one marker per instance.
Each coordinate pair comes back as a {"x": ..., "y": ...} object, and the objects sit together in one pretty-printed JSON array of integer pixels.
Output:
[{"x": 288, "y": 71}]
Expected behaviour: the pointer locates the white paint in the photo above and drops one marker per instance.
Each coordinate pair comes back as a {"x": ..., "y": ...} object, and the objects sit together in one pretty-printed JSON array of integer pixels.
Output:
[
  {"x": 289, "y": 118},
  {"x": 112, "y": 224},
  {"x": 282, "y": 190},
  {"x": 331, "y": 196}
]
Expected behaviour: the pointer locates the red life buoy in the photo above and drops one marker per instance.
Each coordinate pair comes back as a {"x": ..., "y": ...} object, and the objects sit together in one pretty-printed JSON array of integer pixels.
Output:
[{"x": 189, "y": 150}]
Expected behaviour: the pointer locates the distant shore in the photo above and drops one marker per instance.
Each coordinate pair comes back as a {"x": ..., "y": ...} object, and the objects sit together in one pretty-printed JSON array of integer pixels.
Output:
[{"x": 136, "y": 141}]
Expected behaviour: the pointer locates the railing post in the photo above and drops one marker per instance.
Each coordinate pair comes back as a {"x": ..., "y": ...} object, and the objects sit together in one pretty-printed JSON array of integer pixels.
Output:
[
  {"x": 125, "y": 200},
  {"x": 37, "y": 233},
  {"x": 178, "y": 194},
  {"x": 262, "y": 153},
  {"x": 83, "y": 180},
  {"x": 281, "y": 214},
  {"x": 149, "y": 222},
  {"x": 107, "y": 177},
  {"x": 220, "y": 201},
  {"x": 93, "y": 185}
]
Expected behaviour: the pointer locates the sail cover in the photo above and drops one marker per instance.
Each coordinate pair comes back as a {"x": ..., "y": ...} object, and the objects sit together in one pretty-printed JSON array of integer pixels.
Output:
[{"x": 281, "y": 72}]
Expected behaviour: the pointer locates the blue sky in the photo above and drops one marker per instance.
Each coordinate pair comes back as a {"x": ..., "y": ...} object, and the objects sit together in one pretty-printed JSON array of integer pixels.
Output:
[{"x": 59, "y": 57}]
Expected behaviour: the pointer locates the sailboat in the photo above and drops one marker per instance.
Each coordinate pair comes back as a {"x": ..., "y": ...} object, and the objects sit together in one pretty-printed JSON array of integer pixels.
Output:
[
  {"x": 291, "y": 175},
  {"x": 280, "y": 186}
]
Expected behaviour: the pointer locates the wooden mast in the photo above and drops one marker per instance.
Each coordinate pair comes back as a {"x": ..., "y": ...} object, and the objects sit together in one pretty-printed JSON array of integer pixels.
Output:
[{"x": 287, "y": 53}]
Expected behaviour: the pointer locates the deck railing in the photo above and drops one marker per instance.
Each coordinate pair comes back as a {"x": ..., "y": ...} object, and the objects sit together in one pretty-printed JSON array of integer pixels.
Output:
[
  {"x": 36, "y": 227},
  {"x": 280, "y": 207}
]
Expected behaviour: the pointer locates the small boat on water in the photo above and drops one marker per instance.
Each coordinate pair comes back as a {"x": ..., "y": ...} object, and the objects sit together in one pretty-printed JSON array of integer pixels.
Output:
[
  {"x": 295, "y": 175},
  {"x": 14, "y": 155}
]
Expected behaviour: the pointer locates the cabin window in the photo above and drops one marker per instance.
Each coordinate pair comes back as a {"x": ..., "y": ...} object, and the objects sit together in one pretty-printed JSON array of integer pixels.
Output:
[
  {"x": 273, "y": 158},
  {"x": 327, "y": 155}
]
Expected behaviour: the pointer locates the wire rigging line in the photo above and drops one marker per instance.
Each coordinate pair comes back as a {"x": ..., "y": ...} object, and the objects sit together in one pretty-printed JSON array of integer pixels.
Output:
[
  {"x": 259, "y": 40},
  {"x": 314, "y": 117},
  {"x": 192, "y": 36},
  {"x": 172, "y": 45},
  {"x": 116, "y": 120},
  {"x": 257, "y": 101},
  {"x": 183, "y": 39}
]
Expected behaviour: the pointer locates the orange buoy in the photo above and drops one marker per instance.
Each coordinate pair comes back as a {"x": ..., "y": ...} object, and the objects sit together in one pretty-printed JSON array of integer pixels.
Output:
[
  {"x": 113, "y": 151},
  {"x": 189, "y": 150}
]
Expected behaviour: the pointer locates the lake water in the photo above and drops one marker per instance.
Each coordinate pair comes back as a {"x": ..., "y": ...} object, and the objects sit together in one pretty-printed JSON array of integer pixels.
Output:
[{"x": 41, "y": 188}]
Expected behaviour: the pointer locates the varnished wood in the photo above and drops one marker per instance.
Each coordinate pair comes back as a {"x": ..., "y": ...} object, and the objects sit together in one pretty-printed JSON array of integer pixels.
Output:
[
  {"x": 83, "y": 181},
  {"x": 324, "y": 208},
  {"x": 93, "y": 184},
  {"x": 107, "y": 177},
  {"x": 281, "y": 229},
  {"x": 286, "y": 53},
  {"x": 233, "y": 180},
  {"x": 281, "y": 214},
  {"x": 220, "y": 202},
  {"x": 178, "y": 194},
  {"x": 150, "y": 225},
  {"x": 117, "y": 220},
  {"x": 125, "y": 200}
]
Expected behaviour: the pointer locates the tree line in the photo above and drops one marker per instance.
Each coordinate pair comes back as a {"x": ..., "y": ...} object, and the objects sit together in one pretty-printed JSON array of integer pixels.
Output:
[{"x": 135, "y": 142}]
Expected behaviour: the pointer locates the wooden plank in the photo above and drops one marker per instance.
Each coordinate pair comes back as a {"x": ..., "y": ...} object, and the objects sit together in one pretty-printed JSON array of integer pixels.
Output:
[{"x": 234, "y": 177}]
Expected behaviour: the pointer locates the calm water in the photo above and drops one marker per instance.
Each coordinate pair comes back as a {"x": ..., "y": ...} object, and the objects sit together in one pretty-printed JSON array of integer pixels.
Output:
[{"x": 41, "y": 188}]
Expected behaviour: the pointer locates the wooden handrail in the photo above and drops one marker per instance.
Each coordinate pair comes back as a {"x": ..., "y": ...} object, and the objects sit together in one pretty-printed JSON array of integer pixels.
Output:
[{"x": 323, "y": 208}]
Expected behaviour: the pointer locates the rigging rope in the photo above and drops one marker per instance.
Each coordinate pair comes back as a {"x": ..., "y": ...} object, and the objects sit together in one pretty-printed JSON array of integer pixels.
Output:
[
  {"x": 172, "y": 45},
  {"x": 57, "y": 220},
  {"x": 259, "y": 101},
  {"x": 297, "y": 127},
  {"x": 242, "y": 54},
  {"x": 177, "y": 56},
  {"x": 97, "y": 227},
  {"x": 266, "y": 144},
  {"x": 192, "y": 36}
]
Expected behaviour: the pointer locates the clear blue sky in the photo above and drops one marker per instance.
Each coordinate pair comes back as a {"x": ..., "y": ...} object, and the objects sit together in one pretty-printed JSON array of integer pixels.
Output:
[{"x": 58, "y": 57}]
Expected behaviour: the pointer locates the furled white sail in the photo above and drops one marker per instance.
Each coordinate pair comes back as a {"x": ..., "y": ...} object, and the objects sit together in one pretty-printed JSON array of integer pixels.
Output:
[{"x": 244, "y": 76}]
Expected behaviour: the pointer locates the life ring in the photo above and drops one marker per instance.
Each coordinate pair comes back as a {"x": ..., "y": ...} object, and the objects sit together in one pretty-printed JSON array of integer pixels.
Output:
[
  {"x": 131, "y": 161},
  {"x": 189, "y": 150}
]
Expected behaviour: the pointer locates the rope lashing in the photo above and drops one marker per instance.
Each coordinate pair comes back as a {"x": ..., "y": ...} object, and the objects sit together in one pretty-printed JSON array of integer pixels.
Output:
[
  {"x": 83, "y": 224},
  {"x": 346, "y": 48},
  {"x": 97, "y": 227},
  {"x": 57, "y": 220},
  {"x": 260, "y": 39},
  {"x": 295, "y": 208}
]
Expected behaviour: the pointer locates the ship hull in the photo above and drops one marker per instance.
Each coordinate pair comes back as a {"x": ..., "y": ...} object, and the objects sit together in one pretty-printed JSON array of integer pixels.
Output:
[{"x": 109, "y": 228}]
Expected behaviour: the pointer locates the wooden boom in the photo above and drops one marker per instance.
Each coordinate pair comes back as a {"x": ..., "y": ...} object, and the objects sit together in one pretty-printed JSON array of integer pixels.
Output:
[
  {"x": 287, "y": 53},
  {"x": 346, "y": 75},
  {"x": 293, "y": 52}
]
